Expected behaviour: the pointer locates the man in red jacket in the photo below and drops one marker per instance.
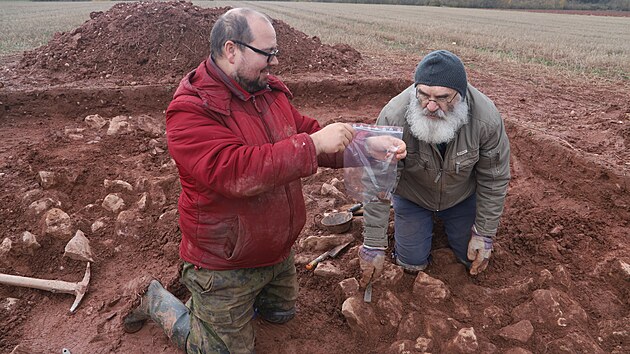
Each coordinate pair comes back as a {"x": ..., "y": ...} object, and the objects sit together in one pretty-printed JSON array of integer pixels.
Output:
[{"x": 241, "y": 149}]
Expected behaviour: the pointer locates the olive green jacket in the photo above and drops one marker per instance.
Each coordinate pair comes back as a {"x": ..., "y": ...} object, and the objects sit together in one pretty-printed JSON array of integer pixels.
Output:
[{"x": 476, "y": 161}]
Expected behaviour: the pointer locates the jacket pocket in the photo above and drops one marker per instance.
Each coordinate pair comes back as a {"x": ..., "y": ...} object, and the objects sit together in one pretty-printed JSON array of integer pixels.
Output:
[
  {"x": 463, "y": 164},
  {"x": 419, "y": 169},
  {"x": 219, "y": 237}
]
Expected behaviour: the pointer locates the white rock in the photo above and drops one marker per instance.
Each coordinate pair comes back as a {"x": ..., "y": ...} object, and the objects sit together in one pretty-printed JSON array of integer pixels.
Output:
[
  {"x": 404, "y": 346},
  {"x": 347, "y": 288},
  {"x": 5, "y": 246},
  {"x": 79, "y": 248},
  {"x": 129, "y": 223},
  {"x": 39, "y": 206},
  {"x": 9, "y": 303},
  {"x": 327, "y": 269},
  {"x": 47, "y": 179},
  {"x": 335, "y": 182},
  {"x": 57, "y": 224},
  {"x": 391, "y": 276},
  {"x": 99, "y": 224},
  {"x": 623, "y": 269},
  {"x": 119, "y": 125},
  {"x": 150, "y": 125},
  {"x": 95, "y": 121},
  {"x": 423, "y": 344},
  {"x": 117, "y": 185},
  {"x": 30, "y": 241},
  {"x": 328, "y": 189},
  {"x": 113, "y": 202},
  {"x": 464, "y": 342},
  {"x": 141, "y": 204},
  {"x": 434, "y": 290}
]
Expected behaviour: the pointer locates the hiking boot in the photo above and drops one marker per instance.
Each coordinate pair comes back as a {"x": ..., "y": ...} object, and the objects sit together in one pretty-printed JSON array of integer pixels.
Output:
[
  {"x": 276, "y": 317},
  {"x": 163, "y": 308}
]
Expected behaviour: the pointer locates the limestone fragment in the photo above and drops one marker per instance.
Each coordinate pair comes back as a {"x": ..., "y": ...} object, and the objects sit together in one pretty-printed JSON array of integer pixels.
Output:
[
  {"x": 9, "y": 304},
  {"x": 361, "y": 317},
  {"x": 113, "y": 202},
  {"x": 141, "y": 204},
  {"x": 95, "y": 121},
  {"x": 57, "y": 224},
  {"x": 129, "y": 223},
  {"x": 79, "y": 248},
  {"x": 434, "y": 290},
  {"x": 327, "y": 269},
  {"x": 392, "y": 275},
  {"x": 119, "y": 125},
  {"x": 5, "y": 246},
  {"x": 99, "y": 224},
  {"x": 330, "y": 190},
  {"x": 30, "y": 242},
  {"x": 47, "y": 179},
  {"x": 150, "y": 125},
  {"x": 464, "y": 342},
  {"x": 423, "y": 344},
  {"x": 117, "y": 185},
  {"x": 39, "y": 206},
  {"x": 347, "y": 288},
  {"x": 404, "y": 346},
  {"x": 520, "y": 331},
  {"x": 552, "y": 307}
]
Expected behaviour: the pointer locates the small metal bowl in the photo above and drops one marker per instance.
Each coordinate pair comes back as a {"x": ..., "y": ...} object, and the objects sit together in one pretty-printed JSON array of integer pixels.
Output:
[{"x": 337, "y": 223}]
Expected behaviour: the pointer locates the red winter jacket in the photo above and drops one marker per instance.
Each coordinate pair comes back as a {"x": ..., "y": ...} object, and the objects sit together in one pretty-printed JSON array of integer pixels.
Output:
[{"x": 240, "y": 158}]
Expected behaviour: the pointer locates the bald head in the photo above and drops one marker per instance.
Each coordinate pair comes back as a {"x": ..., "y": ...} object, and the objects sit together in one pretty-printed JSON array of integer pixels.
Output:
[{"x": 234, "y": 25}]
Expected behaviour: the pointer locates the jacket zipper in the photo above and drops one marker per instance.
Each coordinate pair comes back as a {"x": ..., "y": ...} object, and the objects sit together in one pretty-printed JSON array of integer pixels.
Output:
[
  {"x": 439, "y": 174},
  {"x": 287, "y": 192}
]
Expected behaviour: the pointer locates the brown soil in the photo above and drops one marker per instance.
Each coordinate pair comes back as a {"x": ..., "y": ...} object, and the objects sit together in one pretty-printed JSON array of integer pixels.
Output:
[{"x": 565, "y": 226}]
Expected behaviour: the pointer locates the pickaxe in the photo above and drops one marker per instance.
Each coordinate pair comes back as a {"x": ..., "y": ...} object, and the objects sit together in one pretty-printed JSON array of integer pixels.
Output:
[{"x": 78, "y": 289}]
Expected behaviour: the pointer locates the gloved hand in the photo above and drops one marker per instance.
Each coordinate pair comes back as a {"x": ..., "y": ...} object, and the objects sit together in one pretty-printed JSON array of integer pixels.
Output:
[
  {"x": 371, "y": 261},
  {"x": 479, "y": 249}
]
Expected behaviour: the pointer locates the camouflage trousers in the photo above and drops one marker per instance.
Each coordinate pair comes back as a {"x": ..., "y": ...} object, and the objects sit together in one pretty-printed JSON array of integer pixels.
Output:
[{"x": 223, "y": 304}]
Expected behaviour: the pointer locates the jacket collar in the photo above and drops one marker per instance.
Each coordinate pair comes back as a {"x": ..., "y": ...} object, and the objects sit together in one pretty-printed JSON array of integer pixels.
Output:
[{"x": 216, "y": 88}]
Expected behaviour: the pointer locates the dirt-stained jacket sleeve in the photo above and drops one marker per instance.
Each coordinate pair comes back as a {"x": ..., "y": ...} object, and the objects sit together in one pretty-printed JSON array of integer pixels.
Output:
[
  {"x": 215, "y": 157},
  {"x": 309, "y": 125},
  {"x": 493, "y": 175}
]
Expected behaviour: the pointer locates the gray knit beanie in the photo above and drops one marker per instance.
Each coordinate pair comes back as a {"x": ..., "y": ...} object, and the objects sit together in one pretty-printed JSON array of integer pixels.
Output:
[{"x": 442, "y": 68}]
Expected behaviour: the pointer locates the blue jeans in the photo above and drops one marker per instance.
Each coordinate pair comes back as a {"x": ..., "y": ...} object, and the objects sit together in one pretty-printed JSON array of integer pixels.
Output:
[{"x": 414, "y": 230}]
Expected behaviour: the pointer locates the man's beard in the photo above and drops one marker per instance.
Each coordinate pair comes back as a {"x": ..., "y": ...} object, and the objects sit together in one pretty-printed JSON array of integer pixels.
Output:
[
  {"x": 437, "y": 127},
  {"x": 251, "y": 86}
]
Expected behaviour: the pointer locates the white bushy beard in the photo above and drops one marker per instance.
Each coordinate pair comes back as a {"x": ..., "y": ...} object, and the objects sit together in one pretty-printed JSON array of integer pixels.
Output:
[{"x": 435, "y": 130}]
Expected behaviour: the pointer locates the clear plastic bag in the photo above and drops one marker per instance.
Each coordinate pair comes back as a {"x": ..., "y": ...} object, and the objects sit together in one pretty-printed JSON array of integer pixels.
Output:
[{"x": 370, "y": 164}]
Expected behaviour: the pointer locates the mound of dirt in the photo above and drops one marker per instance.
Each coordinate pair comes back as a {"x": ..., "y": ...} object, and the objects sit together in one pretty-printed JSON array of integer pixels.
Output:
[{"x": 160, "y": 42}]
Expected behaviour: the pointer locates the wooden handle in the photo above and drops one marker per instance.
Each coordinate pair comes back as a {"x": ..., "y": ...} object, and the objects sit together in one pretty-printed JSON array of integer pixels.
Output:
[{"x": 312, "y": 264}]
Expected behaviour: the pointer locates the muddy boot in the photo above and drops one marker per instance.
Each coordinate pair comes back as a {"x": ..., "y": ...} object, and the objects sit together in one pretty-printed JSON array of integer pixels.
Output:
[{"x": 165, "y": 309}]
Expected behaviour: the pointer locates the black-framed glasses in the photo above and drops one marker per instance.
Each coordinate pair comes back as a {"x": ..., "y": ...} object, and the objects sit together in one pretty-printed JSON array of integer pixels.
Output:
[
  {"x": 269, "y": 55},
  {"x": 425, "y": 99}
]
